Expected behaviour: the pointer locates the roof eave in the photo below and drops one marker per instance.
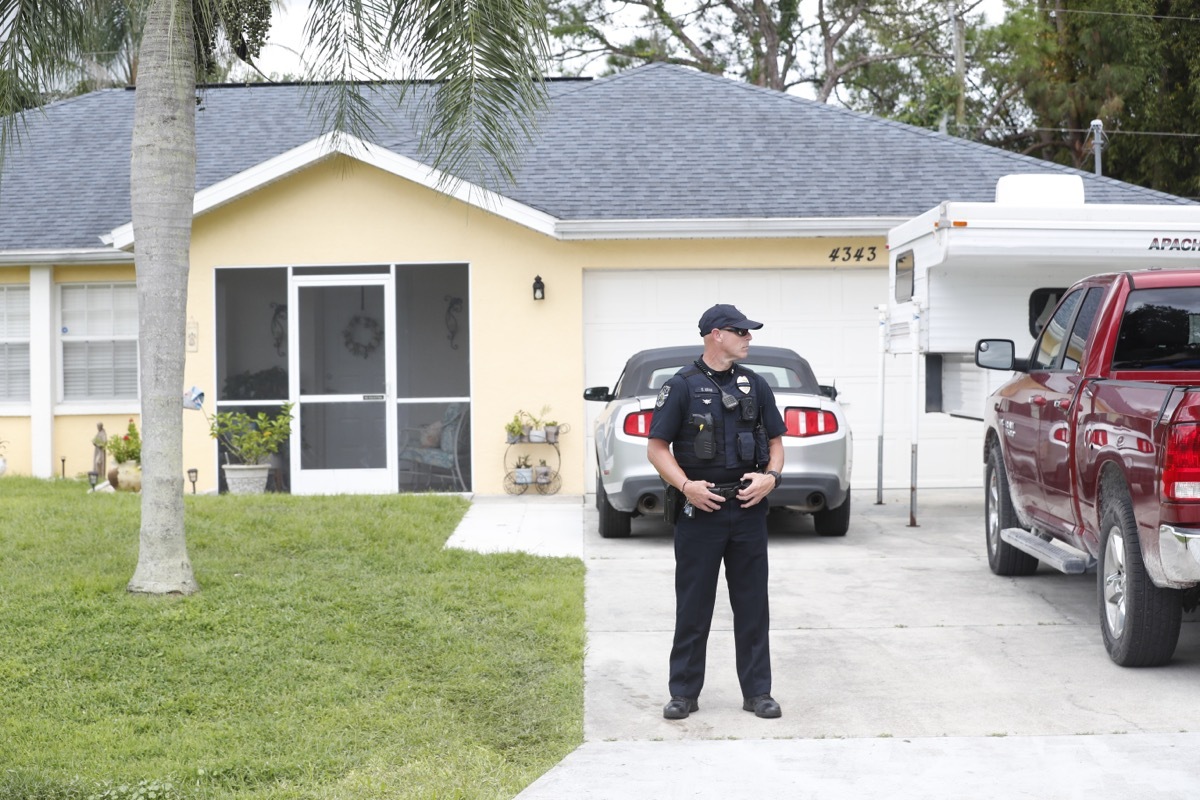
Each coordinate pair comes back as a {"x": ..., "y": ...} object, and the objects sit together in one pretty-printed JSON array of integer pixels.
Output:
[
  {"x": 104, "y": 255},
  {"x": 330, "y": 144},
  {"x": 725, "y": 228}
]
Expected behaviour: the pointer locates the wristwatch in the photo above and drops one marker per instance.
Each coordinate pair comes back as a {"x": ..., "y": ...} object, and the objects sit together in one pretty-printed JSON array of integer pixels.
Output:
[{"x": 778, "y": 478}]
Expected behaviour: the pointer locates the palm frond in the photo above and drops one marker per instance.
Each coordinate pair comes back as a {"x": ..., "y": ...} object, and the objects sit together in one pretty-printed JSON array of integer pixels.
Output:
[
  {"x": 36, "y": 40},
  {"x": 483, "y": 58},
  {"x": 346, "y": 38},
  {"x": 486, "y": 58}
]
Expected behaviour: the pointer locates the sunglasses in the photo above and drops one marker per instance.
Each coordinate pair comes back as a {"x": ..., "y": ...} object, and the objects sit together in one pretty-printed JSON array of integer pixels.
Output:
[{"x": 741, "y": 332}]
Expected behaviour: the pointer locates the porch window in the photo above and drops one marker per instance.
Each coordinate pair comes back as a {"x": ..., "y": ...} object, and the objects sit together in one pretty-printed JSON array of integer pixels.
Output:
[
  {"x": 99, "y": 326},
  {"x": 14, "y": 344}
]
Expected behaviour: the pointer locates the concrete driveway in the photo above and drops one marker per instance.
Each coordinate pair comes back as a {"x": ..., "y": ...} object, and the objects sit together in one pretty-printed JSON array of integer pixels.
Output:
[{"x": 904, "y": 668}]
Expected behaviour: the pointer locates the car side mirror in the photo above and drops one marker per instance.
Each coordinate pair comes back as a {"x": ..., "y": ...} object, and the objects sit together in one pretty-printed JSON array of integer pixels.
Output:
[
  {"x": 598, "y": 393},
  {"x": 995, "y": 354},
  {"x": 828, "y": 391}
]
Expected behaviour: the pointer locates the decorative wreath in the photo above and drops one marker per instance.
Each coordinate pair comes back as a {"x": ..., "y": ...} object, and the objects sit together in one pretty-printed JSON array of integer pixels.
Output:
[{"x": 362, "y": 335}]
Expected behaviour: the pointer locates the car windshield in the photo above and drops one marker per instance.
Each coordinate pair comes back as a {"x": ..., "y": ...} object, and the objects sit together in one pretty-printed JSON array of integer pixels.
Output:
[
  {"x": 776, "y": 377},
  {"x": 1160, "y": 330}
]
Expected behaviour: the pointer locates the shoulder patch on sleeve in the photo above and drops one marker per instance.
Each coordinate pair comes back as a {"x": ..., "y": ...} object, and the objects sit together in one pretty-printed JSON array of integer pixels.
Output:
[{"x": 663, "y": 394}]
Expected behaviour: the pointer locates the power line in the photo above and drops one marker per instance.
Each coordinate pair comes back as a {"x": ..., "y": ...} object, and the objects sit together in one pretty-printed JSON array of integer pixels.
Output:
[
  {"x": 1123, "y": 14},
  {"x": 1117, "y": 132}
]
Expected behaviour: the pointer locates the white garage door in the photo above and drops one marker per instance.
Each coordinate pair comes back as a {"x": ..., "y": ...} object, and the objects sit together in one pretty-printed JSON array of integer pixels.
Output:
[{"x": 828, "y": 316}]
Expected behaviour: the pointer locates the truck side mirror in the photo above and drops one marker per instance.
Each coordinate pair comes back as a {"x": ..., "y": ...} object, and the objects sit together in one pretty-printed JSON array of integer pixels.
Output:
[
  {"x": 599, "y": 393},
  {"x": 995, "y": 353}
]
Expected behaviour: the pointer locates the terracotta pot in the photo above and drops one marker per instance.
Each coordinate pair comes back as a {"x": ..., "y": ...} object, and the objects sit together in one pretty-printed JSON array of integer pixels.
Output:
[
  {"x": 112, "y": 476},
  {"x": 129, "y": 476}
]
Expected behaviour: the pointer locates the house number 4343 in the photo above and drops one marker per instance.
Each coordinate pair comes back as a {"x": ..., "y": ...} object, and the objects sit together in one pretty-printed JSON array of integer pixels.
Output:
[{"x": 844, "y": 254}]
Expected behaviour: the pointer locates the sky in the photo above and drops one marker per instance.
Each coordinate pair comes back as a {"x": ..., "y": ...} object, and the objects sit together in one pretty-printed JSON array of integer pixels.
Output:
[{"x": 282, "y": 54}]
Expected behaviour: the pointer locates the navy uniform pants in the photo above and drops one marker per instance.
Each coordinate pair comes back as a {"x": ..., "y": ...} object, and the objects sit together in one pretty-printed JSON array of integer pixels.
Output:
[{"x": 738, "y": 537}]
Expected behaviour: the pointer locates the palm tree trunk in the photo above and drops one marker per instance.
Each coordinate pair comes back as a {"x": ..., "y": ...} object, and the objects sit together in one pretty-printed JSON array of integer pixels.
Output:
[{"x": 163, "y": 187}]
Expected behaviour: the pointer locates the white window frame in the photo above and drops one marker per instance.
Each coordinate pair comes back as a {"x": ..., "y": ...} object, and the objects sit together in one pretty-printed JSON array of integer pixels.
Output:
[
  {"x": 7, "y": 337},
  {"x": 92, "y": 405}
]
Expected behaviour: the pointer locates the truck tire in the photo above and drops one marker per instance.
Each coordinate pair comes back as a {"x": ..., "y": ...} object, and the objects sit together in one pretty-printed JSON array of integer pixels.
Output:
[
  {"x": 613, "y": 524},
  {"x": 833, "y": 521},
  {"x": 998, "y": 514},
  {"x": 1139, "y": 621}
]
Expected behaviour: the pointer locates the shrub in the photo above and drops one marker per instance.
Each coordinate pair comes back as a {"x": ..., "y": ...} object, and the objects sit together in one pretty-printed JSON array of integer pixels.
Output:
[
  {"x": 251, "y": 439},
  {"x": 127, "y": 447}
]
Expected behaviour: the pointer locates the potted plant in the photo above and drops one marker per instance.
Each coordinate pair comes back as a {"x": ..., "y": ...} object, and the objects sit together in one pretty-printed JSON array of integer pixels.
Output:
[
  {"x": 513, "y": 429},
  {"x": 537, "y": 429},
  {"x": 554, "y": 430},
  {"x": 542, "y": 472},
  {"x": 523, "y": 472},
  {"x": 250, "y": 442},
  {"x": 126, "y": 451}
]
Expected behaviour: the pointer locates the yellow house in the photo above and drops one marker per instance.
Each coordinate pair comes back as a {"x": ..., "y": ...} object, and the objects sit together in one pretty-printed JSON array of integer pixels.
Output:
[{"x": 400, "y": 315}]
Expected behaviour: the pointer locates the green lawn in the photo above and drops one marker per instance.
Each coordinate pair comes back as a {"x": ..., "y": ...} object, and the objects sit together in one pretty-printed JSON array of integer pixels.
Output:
[{"x": 335, "y": 650}]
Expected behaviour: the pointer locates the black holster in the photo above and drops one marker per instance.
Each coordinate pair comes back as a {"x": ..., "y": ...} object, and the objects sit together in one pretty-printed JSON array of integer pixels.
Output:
[{"x": 673, "y": 503}]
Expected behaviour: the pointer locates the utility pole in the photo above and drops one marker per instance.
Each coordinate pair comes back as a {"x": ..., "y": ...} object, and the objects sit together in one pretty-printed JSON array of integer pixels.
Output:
[
  {"x": 959, "y": 32},
  {"x": 1097, "y": 134}
]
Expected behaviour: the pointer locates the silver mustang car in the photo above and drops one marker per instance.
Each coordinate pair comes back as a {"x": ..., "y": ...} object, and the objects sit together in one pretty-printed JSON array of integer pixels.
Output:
[{"x": 816, "y": 446}]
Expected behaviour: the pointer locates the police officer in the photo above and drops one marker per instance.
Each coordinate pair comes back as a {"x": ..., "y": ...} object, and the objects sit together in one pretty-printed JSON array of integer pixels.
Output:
[{"x": 716, "y": 437}]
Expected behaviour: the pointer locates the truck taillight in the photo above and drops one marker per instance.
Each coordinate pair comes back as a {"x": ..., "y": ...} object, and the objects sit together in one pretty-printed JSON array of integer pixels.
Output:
[
  {"x": 638, "y": 423},
  {"x": 809, "y": 422},
  {"x": 1181, "y": 463}
]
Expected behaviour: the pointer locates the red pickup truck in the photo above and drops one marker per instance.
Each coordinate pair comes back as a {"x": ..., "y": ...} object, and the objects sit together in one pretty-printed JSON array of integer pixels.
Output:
[{"x": 1092, "y": 453}]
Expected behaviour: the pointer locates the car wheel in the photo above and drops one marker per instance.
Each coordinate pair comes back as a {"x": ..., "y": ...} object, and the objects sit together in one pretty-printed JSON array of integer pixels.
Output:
[
  {"x": 613, "y": 524},
  {"x": 833, "y": 521},
  {"x": 1139, "y": 621},
  {"x": 998, "y": 514}
]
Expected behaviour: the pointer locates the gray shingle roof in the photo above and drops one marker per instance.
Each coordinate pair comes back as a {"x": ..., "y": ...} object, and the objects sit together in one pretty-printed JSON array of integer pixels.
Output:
[{"x": 658, "y": 142}]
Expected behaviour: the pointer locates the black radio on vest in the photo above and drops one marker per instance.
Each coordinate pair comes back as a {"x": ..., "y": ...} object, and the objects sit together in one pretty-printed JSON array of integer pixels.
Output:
[{"x": 706, "y": 441}]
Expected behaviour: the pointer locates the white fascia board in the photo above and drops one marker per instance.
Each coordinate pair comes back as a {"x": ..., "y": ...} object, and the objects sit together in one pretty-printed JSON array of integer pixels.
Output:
[
  {"x": 330, "y": 144},
  {"x": 725, "y": 228},
  {"x": 1013, "y": 230},
  {"x": 469, "y": 193},
  {"x": 99, "y": 255},
  {"x": 1136, "y": 215}
]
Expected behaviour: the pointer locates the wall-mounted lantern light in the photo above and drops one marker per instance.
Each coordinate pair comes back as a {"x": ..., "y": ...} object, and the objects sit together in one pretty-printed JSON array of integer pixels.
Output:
[
  {"x": 193, "y": 475},
  {"x": 539, "y": 288}
]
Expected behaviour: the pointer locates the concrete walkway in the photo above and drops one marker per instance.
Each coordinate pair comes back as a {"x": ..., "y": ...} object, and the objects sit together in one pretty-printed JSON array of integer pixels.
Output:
[{"x": 904, "y": 667}]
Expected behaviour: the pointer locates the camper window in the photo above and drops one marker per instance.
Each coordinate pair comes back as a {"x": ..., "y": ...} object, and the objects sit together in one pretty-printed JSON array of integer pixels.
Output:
[
  {"x": 904, "y": 276},
  {"x": 1041, "y": 306}
]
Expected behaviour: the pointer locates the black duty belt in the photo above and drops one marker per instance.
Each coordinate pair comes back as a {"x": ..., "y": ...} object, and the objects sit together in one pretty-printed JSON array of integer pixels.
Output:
[{"x": 726, "y": 490}]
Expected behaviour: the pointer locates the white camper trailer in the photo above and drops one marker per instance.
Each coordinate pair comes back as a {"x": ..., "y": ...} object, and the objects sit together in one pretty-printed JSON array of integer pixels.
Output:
[
  {"x": 965, "y": 271},
  {"x": 961, "y": 272}
]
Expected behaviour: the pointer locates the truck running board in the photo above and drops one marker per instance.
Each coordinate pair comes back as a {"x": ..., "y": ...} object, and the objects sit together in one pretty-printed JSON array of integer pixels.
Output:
[{"x": 1063, "y": 558}]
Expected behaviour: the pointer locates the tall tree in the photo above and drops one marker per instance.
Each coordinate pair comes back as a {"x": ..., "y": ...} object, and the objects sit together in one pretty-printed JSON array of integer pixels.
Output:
[
  {"x": 112, "y": 32},
  {"x": 1132, "y": 64},
  {"x": 961, "y": 80},
  {"x": 780, "y": 45},
  {"x": 485, "y": 57}
]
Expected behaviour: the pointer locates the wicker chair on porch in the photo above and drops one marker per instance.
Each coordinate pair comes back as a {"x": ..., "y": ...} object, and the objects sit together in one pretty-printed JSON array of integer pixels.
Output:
[{"x": 433, "y": 451}]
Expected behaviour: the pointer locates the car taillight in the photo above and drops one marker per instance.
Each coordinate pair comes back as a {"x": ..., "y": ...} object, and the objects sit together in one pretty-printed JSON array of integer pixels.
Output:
[
  {"x": 1181, "y": 463},
  {"x": 638, "y": 423},
  {"x": 809, "y": 422}
]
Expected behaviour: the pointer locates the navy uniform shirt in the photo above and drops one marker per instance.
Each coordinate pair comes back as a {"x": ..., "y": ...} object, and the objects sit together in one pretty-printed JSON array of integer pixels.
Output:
[{"x": 673, "y": 409}]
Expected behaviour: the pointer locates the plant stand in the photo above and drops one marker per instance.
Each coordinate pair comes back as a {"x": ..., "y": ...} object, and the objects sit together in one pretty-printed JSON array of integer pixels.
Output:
[{"x": 545, "y": 480}]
